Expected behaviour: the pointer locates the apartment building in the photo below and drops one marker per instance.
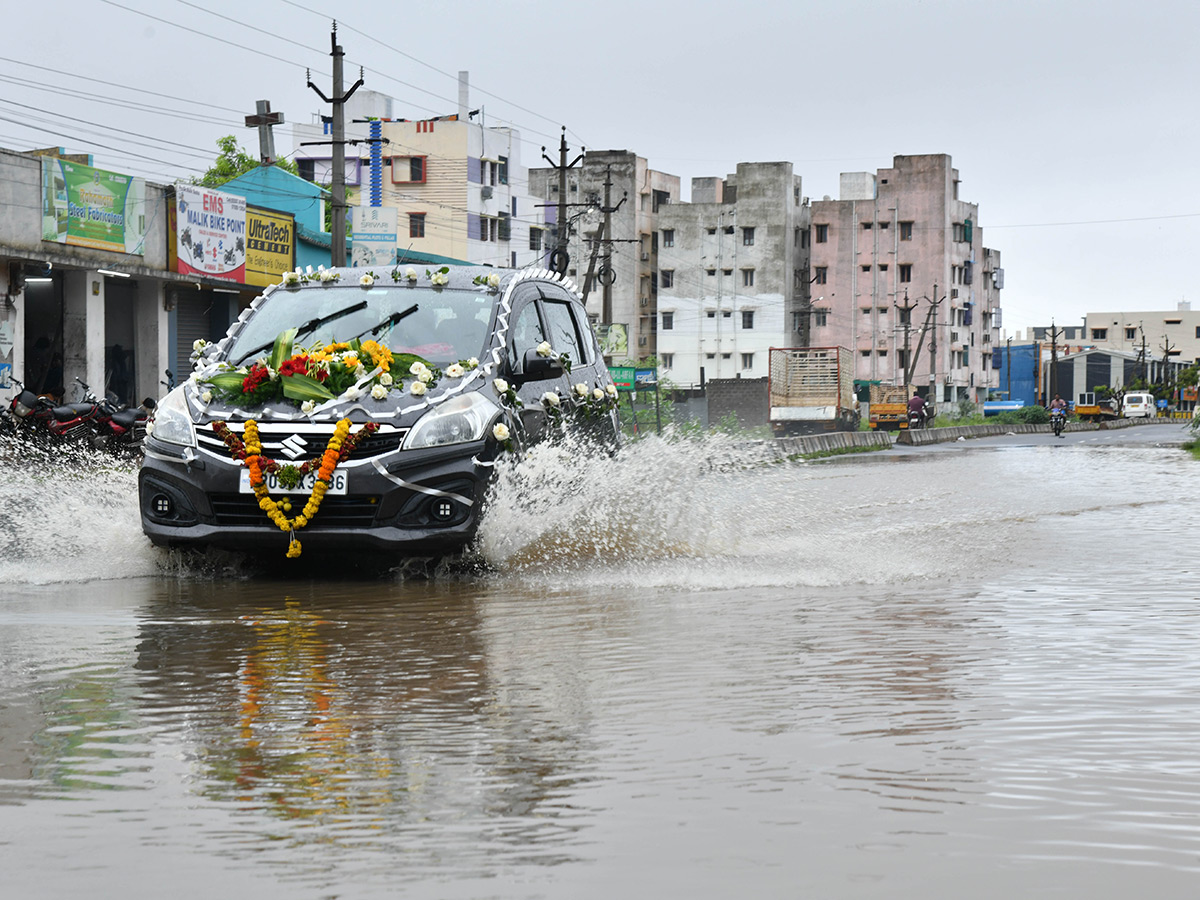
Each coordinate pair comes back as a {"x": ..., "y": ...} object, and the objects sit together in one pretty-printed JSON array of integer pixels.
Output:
[
  {"x": 731, "y": 274},
  {"x": 895, "y": 245},
  {"x": 1173, "y": 334},
  {"x": 457, "y": 185}
]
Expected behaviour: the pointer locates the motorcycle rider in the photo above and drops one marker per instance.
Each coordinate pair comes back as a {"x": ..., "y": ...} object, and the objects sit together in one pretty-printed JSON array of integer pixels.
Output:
[
  {"x": 917, "y": 406},
  {"x": 1058, "y": 403}
]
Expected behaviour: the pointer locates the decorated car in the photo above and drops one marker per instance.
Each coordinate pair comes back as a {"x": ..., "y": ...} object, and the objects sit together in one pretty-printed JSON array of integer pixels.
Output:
[{"x": 350, "y": 409}]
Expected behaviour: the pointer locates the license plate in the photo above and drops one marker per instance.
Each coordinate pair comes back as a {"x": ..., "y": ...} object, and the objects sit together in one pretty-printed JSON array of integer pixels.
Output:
[{"x": 337, "y": 484}]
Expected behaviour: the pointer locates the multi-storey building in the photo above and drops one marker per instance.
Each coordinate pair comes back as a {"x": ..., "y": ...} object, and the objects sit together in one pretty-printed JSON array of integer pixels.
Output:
[
  {"x": 622, "y": 290},
  {"x": 731, "y": 279},
  {"x": 458, "y": 186},
  {"x": 900, "y": 276},
  {"x": 1174, "y": 334}
]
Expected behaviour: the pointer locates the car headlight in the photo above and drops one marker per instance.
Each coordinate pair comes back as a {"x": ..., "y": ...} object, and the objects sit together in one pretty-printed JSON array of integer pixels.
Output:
[
  {"x": 173, "y": 421},
  {"x": 459, "y": 420}
]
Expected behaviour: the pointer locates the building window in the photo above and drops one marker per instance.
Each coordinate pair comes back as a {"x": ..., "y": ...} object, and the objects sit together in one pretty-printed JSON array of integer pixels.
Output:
[
  {"x": 416, "y": 225},
  {"x": 726, "y": 356},
  {"x": 1131, "y": 333},
  {"x": 711, "y": 272},
  {"x": 747, "y": 237},
  {"x": 866, "y": 310},
  {"x": 503, "y": 170},
  {"x": 905, "y": 273},
  {"x": 747, "y": 278},
  {"x": 820, "y": 274},
  {"x": 535, "y": 239},
  {"x": 820, "y": 317},
  {"x": 727, "y": 314},
  {"x": 883, "y": 226},
  {"x": 866, "y": 268},
  {"x": 505, "y": 226},
  {"x": 866, "y": 226},
  {"x": 668, "y": 321},
  {"x": 408, "y": 170},
  {"x": 881, "y": 353},
  {"x": 711, "y": 313},
  {"x": 1099, "y": 334},
  {"x": 1172, "y": 321},
  {"x": 960, "y": 232},
  {"x": 822, "y": 233},
  {"x": 668, "y": 360},
  {"x": 728, "y": 229},
  {"x": 712, "y": 231},
  {"x": 883, "y": 267},
  {"x": 747, "y": 318},
  {"x": 747, "y": 360},
  {"x": 727, "y": 272},
  {"x": 668, "y": 278},
  {"x": 668, "y": 237},
  {"x": 906, "y": 231},
  {"x": 865, "y": 354}
]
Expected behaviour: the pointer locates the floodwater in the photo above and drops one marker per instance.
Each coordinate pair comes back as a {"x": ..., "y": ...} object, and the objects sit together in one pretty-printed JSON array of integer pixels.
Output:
[{"x": 673, "y": 674}]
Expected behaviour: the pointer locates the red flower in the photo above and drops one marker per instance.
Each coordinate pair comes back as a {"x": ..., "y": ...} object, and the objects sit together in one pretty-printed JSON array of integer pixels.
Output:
[
  {"x": 297, "y": 365},
  {"x": 254, "y": 379}
]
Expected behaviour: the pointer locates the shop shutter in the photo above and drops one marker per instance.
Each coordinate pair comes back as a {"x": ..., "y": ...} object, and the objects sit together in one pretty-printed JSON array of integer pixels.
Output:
[{"x": 192, "y": 322}]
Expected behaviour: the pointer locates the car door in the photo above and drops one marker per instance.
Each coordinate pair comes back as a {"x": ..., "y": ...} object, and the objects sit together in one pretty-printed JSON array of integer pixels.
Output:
[{"x": 528, "y": 330}]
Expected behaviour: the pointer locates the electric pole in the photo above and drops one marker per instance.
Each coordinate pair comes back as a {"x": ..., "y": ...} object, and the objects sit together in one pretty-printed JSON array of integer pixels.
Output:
[
  {"x": 932, "y": 324},
  {"x": 1052, "y": 386},
  {"x": 906, "y": 321},
  {"x": 264, "y": 120},
  {"x": 1168, "y": 377},
  {"x": 337, "y": 185},
  {"x": 560, "y": 258}
]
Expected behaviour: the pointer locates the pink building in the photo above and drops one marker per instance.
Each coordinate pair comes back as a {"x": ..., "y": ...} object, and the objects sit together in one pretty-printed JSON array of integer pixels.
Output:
[{"x": 900, "y": 276}]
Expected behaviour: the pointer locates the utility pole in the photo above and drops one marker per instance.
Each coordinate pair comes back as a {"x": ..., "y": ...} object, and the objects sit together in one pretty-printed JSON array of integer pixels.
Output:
[
  {"x": 927, "y": 328},
  {"x": 337, "y": 185},
  {"x": 1008, "y": 368},
  {"x": 1142, "y": 367},
  {"x": 263, "y": 120},
  {"x": 906, "y": 321},
  {"x": 933, "y": 305},
  {"x": 1168, "y": 378},
  {"x": 560, "y": 258},
  {"x": 1052, "y": 386}
]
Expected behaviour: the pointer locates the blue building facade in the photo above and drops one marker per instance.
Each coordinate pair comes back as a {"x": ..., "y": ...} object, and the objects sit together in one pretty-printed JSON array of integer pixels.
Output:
[{"x": 1018, "y": 367}]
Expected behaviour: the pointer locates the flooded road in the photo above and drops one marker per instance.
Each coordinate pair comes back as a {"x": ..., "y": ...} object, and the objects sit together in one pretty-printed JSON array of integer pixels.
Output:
[{"x": 961, "y": 674}]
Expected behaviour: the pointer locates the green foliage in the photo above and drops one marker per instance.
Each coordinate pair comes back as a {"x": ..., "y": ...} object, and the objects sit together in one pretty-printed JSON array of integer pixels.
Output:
[
  {"x": 233, "y": 161},
  {"x": 1026, "y": 415}
]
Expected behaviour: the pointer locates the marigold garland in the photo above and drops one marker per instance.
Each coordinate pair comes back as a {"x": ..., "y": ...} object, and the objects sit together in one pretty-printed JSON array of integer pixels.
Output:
[{"x": 249, "y": 451}]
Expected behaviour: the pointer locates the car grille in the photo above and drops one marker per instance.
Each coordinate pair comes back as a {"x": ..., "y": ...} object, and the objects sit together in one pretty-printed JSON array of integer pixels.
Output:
[
  {"x": 280, "y": 444},
  {"x": 335, "y": 512}
]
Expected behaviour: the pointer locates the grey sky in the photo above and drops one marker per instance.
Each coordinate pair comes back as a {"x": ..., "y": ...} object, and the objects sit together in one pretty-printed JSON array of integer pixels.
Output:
[{"x": 1072, "y": 124}]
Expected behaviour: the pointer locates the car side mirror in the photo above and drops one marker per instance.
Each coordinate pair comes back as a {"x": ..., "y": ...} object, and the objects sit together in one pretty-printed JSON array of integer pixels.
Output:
[{"x": 539, "y": 368}]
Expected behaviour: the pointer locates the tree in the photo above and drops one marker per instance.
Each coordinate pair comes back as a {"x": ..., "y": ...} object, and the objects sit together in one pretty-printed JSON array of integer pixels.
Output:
[{"x": 233, "y": 161}]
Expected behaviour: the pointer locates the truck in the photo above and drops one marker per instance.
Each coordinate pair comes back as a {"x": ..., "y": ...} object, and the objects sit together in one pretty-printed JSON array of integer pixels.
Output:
[
  {"x": 1091, "y": 408},
  {"x": 811, "y": 390},
  {"x": 889, "y": 406}
]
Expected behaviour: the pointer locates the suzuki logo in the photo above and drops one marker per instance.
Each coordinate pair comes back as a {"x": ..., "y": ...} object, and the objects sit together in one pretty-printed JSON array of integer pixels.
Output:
[{"x": 293, "y": 446}]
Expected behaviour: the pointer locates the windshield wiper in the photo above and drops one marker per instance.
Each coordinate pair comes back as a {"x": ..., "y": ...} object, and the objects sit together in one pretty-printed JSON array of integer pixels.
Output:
[
  {"x": 393, "y": 319},
  {"x": 308, "y": 327}
]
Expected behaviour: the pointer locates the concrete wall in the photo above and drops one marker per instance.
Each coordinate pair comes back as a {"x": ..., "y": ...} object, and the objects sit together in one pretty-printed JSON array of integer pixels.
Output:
[{"x": 746, "y": 398}]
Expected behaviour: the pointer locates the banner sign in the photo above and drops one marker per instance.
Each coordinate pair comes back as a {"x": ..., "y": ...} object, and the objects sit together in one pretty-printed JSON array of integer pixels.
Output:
[
  {"x": 270, "y": 245},
  {"x": 211, "y": 233},
  {"x": 623, "y": 377},
  {"x": 374, "y": 236},
  {"x": 614, "y": 339},
  {"x": 90, "y": 207}
]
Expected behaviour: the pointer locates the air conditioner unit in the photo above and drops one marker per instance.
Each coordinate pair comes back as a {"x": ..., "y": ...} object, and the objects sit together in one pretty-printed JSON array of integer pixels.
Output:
[
  {"x": 486, "y": 192},
  {"x": 645, "y": 256}
]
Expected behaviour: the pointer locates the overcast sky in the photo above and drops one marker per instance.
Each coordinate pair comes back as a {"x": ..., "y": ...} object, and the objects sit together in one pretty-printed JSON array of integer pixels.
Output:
[{"x": 1073, "y": 124}]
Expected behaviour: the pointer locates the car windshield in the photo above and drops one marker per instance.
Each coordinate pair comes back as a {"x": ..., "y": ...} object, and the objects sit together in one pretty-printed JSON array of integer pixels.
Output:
[{"x": 439, "y": 324}]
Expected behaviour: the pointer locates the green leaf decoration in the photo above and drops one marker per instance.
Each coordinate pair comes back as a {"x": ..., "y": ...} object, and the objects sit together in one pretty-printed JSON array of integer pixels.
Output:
[
  {"x": 303, "y": 387},
  {"x": 282, "y": 349},
  {"x": 227, "y": 381}
]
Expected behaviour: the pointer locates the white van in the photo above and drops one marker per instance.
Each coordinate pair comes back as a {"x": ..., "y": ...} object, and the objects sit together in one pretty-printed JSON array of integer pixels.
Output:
[{"x": 1138, "y": 405}]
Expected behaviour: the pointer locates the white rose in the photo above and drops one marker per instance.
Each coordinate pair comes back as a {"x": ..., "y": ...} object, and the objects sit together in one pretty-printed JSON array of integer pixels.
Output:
[
  {"x": 328, "y": 276},
  {"x": 581, "y": 389},
  {"x": 550, "y": 399},
  {"x": 352, "y": 393},
  {"x": 455, "y": 371},
  {"x": 597, "y": 394},
  {"x": 150, "y": 427},
  {"x": 378, "y": 392},
  {"x": 472, "y": 363},
  {"x": 611, "y": 390},
  {"x": 291, "y": 278},
  {"x": 195, "y": 376},
  {"x": 417, "y": 388},
  {"x": 385, "y": 379},
  {"x": 425, "y": 376},
  {"x": 439, "y": 278},
  {"x": 206, "y": 396},
  {"x": 410, "y": 273},
  {"x": 417, "y": 368},
  {"x": 544, "y": 349},
  {"x": 493, "y": 281},
  {"x": 500, "y": 432},
  {"x": 500, "y": 385},
  {"x": 307, "y": 407},
  {"x": 366, "y": 279},
  {"x": 199, "y": 344}
]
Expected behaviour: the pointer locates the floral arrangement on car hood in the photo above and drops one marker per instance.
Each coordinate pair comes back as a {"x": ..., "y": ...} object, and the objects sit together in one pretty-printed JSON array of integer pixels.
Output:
[{"x": 307, "y": 377}]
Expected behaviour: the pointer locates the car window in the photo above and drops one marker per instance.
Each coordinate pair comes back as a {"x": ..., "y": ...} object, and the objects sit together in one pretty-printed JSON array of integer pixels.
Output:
[
  {"x": 526, "y": 334},
  {"x": 563, "y": 337}
]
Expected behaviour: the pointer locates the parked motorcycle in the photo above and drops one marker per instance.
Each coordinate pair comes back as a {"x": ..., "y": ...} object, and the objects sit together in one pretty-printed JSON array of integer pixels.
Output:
[
  {"x": 121, "y": 429},
  {"x": 27, "y": 414}
]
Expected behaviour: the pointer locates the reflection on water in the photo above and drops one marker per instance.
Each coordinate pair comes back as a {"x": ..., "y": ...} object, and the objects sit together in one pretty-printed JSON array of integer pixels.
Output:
[{"x": 972, "y": 676}]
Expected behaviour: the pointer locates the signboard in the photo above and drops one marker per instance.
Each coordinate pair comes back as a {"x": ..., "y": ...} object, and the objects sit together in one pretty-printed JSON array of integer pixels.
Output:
[
  {"x": 210, "y": 229},
  {"x": 5, "y": 374},
  {"x": 374, "y": 236},
  {"x": 645, "y": 378},
  {"x": 90, "y": 207},
  {"x": 270, "y": 245},
  {"x": 624, "y": 377},
  {"x": 614, "y": 339}
]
